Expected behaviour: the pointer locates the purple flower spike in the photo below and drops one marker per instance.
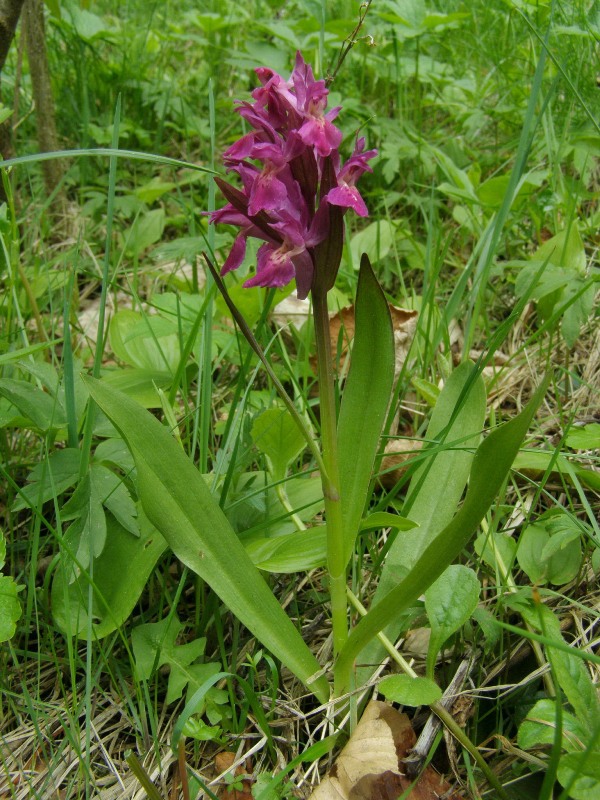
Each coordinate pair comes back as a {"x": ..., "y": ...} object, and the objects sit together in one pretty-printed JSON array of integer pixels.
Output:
[{"x": 294, "y": 193}]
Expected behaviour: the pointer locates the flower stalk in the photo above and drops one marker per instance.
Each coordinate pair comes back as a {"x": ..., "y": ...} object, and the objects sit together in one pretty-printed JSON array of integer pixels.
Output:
[{"x": 331, "y": 482}]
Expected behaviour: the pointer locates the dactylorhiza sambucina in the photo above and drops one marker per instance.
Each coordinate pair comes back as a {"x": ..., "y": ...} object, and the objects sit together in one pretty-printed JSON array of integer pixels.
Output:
[{"x": 295, "y": 190}]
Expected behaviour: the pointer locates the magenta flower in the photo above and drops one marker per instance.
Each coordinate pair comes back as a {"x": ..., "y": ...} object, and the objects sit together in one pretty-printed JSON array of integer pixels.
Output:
[{"x": 295, "y": 199}]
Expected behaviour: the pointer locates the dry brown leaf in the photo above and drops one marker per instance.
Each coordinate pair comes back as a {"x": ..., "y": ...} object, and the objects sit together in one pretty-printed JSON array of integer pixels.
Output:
[
  {"x": 398, "y": 454},
  {"x": 404, "y": 324},
  {"x": 341, "y": 334},
  {"x": 370, "y": 765},
  {"x": 240, "y": 790}
]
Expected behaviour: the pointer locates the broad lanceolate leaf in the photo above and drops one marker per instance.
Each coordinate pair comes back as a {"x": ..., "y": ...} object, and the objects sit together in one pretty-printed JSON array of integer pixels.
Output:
[
  {"x": 383, "y": 519},
  {"x": 365, "y": 400},
  {"x": 178, "y": 502},
  {"x": 490, "y": 467},
  {"x": 294, "y": 552},
  {"x": 449, "y": 603},
  {"x": 436, "y": 487}
]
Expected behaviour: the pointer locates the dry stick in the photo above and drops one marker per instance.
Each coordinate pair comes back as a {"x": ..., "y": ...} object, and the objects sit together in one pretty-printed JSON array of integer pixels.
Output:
[
  {"x": 185, "y": 787},
  {"x": 420, "y": 752},
  {"x": 349, "y": 41}
]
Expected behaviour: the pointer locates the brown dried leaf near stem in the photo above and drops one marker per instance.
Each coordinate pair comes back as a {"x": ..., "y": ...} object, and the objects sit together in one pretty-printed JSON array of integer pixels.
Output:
[
  {"x": 342, "y": 327},
  {"x": 370, "y": 765}
]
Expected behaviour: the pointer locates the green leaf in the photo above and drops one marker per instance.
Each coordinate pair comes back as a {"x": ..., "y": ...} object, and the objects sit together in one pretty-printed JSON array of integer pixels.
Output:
[
  {"x": 409, "y": 691},
  {"x": 365, "y": 399},
  {"x": 154, "y": 645},
  {"x": 586, "y": 438},
  {"x": 5, "y": 113},
  {"x": 436, "y": 487},
  {"x": 140, "y": 384},
  {"x": 531, "y": 544},
  {"x": 22, "y": 353},
  {"x": 375, "y": 241},
  {"x": 88, "y": 26},
  {"x": 197, "y": 729},
  {"x": 120, "y": 575},
  {"x": 489, "y": 470},
  {"x": 154, "y": 642},
  {"x": 550, "y": 549},
  {"x": 383, "y": 519},
  {"x": 178, "y": 502},
  {"x": 295, "y": 552},
  {"x": 534, "y": 463},
  {"x": 580, "y": 773},
  {"x": 99, "y": 489},
  {"x": 49, "y": 479},
  {"x": 539, "y": 728},
  {"x": 149, "y": 343},
  {"x": 146, "y": 230},
  {"x": 153, "y": 190},
  {"x": 87, "y": 533},
  {"x": 487, "y": 622},
  {"x": 565, "y": 250},
  {"x": 578, "y": 312},
  {"x": 450, "y": 601},
  {"x": 278, "y": 437},
  {"x": 429, "y": 391},
  {"x": 10, "y": 608},
  {"x": 571, "y": 672},
  {"x": 495, "y": 546},
  {"x": 44, "y": 411}
]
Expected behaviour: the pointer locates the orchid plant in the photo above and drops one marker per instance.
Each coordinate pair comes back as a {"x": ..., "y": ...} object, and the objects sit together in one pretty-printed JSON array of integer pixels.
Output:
[
  {"x": 296, "y": 203},
  {"x": 295, "y": 191}
]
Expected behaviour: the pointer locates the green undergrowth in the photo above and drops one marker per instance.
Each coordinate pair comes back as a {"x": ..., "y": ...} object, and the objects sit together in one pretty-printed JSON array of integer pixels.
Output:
[{"x": 483, "y": 218}]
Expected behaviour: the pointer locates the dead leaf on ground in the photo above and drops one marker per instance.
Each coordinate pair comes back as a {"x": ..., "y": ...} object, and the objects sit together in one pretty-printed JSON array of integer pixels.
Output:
[
  {"x": 240, "y": 789},
  {"x": 341, "y": 334},
  {"x": 370, "y": 765},
  {"x": 399, "y": 453}
]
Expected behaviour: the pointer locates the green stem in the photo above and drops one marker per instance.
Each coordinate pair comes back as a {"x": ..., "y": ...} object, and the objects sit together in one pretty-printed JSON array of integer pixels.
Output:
[
  {"x": 285, "y": 502},
  {"x": 333, "y": 507}
]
